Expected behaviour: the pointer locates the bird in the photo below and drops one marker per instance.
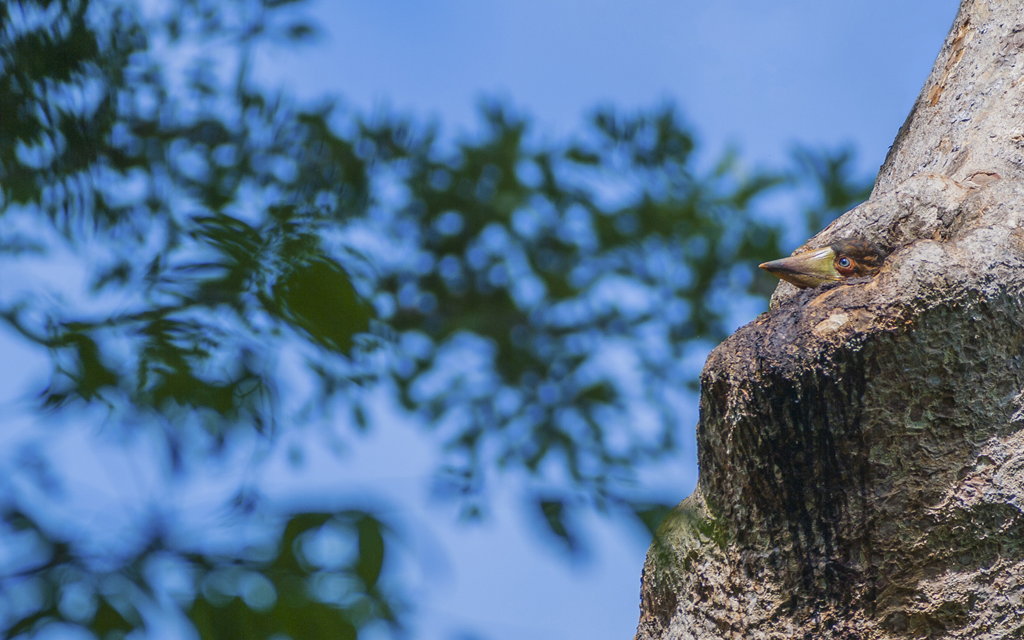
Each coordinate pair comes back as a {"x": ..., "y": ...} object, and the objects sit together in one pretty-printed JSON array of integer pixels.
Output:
[{"x": 844, "y": 259}]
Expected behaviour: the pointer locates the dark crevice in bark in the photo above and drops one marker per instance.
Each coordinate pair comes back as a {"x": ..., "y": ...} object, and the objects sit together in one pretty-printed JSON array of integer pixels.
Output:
[{"x": 802, "y": 455}]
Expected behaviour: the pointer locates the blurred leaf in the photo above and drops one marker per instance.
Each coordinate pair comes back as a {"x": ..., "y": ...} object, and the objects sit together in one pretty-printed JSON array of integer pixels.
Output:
[
  {"x": 318, "y": 298},
  {"x": 371, "y": 551},
  {"x": 108, "y": 619},
  {"x": 301, "y": 31},
  {"x": 556, "y": 514},
  {"x": 294, "y": 612},
  {"x": 650, "y": 514},
  {"x": 306, "y": 621},
  {"x": 287, "y": 560},
  {"x": 581, "y": 156},
  {"x": 90, "y": 375},
  {"x": 599, "y": 392}
]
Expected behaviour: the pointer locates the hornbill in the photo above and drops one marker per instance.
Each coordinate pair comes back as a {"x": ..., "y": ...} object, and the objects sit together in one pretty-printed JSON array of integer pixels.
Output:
[{"x": 845, "y": 258}]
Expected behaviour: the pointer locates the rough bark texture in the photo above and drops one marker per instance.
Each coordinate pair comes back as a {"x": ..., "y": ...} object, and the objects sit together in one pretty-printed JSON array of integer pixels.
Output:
[{"x": 861, "y": 445}]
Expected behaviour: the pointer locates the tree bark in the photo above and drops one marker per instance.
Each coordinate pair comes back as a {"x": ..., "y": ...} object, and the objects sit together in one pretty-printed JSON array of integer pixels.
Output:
[{"x": 861, "y": 445}]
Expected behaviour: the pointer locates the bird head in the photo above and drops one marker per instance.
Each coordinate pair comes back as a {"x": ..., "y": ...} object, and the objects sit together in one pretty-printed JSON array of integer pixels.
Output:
[{"x": 847, "y": 258}]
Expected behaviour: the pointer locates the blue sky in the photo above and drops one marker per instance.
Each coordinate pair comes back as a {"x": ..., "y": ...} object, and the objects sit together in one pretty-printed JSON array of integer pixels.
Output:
[
  {"x": 754, "y": 75},
  {"x": 757, "y": 75}
]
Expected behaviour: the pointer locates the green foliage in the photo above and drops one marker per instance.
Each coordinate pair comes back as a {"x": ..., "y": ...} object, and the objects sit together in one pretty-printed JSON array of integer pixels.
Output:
[
  {"x": 205, "y": 207},
  {"x": 289, "y": 594},
  {"x": 319, "y": 298},
  {"x": 533, "y": 301},
  {"x": 257, "y": 594},
  {"x": 651, "y": 515},
  {"x": 546, "y": 259}
]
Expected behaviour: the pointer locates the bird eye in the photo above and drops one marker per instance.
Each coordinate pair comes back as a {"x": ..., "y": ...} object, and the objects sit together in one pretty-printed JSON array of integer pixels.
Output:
[{"x": 845, "y": 262}]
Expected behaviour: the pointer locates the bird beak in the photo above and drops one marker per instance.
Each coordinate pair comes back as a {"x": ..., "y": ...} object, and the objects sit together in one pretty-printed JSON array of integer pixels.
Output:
[{"x": 806, "y": 269}]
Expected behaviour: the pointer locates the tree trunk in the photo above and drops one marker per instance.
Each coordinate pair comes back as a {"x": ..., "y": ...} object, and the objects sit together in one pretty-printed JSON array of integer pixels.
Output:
[{"x": 861, "y": 445}]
